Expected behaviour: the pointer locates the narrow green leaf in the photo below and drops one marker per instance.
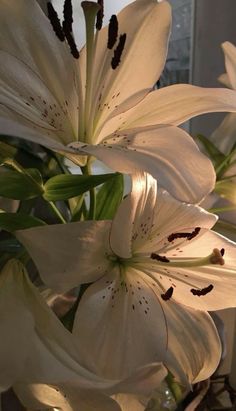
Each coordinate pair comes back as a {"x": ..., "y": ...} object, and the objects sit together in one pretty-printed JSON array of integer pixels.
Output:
[
  {"x": 15, "y": 221},
  {"x": 109, "y": 198},
  {"x": 20, "y": 186},
  {"x": 214, "y": 153},
  {"x": 63, "y": 187},
  {"x": 6, "y": 151}
]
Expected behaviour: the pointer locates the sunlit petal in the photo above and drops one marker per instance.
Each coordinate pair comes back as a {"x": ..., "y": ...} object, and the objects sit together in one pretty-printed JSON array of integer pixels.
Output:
[
  {"x": 121, "y": 313},
  {"x": 165, "y": 152},
  {"x": 173, "y": 105},
  {"x": 136, "y": 207},
  {"x": 194, "y": 347},
  {"x": 68, "y": 255}
]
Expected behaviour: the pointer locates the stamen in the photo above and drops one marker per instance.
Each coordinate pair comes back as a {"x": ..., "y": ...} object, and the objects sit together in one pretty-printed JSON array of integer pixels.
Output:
[
  {"x": 112, "y": 32},
  {"x": 203, "y": 291},
  {"x": 217, "y": 257},
  {"x": 72, "y": 45},
  {"x": 189, "y": 236},
  {"x": 55, "y": 22},
  {"x": 68, "y": 16},
  {"x": 118, "y": 52},
  {"x": 158, "y": 257},
  {"x": 222, "y": 252},
  {"x": 67, "y": 27},
  {"x": 168, "y": 294},
  {"x": 100, "y": 15}
]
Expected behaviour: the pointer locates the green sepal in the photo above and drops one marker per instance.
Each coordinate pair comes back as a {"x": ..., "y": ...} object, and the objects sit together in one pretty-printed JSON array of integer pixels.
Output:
[
  {"x": 19, "y": 185},
  {"x": 65, "y": 186},
  {"x": 16, "y": 221},
  {"x": 109, "y": 197}
]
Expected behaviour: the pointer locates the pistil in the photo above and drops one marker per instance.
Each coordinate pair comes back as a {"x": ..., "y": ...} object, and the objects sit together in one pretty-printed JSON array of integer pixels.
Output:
[
  {"x": 90, "y": 13},
  {"x": 216, "y": 257}
]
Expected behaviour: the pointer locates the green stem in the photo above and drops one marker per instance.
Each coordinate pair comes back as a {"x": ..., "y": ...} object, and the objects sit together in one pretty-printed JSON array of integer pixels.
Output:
[
  {"x": 57, "y": 212},
  {"x": 86, "y": 170}
]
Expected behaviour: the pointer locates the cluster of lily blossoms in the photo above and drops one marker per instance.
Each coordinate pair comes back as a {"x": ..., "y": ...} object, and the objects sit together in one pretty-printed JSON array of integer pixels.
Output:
[{"x": 144, "y": 276}]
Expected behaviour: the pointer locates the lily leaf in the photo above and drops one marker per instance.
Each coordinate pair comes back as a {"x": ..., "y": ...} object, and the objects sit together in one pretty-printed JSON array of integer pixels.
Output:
[
  {"x": 6, "y": 151},
  {"x": 213, "y": 152},
  {"x": 16, "y": 221},
  {"x": 65, "y": 186},
  {"x": 109, "y": 198},
  {"x": 20, "y": 186}
]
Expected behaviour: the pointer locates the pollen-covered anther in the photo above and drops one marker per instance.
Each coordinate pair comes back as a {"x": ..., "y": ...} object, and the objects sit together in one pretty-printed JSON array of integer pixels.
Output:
[
  {"x": 158, "y": 257},
  {"x": 217, "y": 256},
  {"x": 55, "y": 22},
  {"x": 118, "y": 52},
  {"x": 168, "y": 294},
  {"x": 112, "y": 32},
  {"x": 100, "y": 15}
]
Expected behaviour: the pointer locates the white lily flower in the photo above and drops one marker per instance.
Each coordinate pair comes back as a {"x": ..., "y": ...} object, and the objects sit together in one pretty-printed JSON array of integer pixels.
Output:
[
  {"x": 156, "y": 270},
  {"x": 36, "y": 350},
  {"x": 103, "y": 104}
]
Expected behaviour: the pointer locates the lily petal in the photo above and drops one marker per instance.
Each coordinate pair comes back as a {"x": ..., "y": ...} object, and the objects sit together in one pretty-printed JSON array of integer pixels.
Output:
[
  {"x": 25, "y": 96},
  {"x": 66, "y": 398},
  {"x": 50, "y": 60},
  {"x": 134, "y": 215},
  {"x": 194, "y": 347},
  {"x": 63, "y": 267},
  {"x": 230, "y": 62},
  {"x": 173, "y": 105},
  {"x": 172, "y": 216},
  {"x": 220, "y": 280},
  {"x": 49, "y": 353},
  {"x": 124, "y": 314},
  {"x": 147, "y": 39},
  {"x": 154, "y": 150}
]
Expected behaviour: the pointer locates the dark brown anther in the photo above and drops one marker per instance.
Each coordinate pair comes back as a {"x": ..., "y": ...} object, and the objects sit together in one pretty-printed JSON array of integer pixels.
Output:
[
  {"x": 189, "y": 236},
  {"x": 203, "y": 291},
  {"x": 222, "y": 252},
  {"x": 118, "y": 52},
  {"x": 68, "y": 17},
  {"x": 112, "y": 32},
  {"x": 158, "y": 257},
  {"x": 72, "y": 45},
  {"x": 55, "y": 22},
  {"x": 168, "y": 294},
  {"x": 100, "y": 15}
]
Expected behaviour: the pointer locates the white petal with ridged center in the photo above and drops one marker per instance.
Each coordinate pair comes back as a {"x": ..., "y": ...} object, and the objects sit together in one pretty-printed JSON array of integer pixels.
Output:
[
  {"x": 50, "y": 60},
  {"x": 172, "y": 216},
  {"x": 172, "y": 105},
  {"x": 120, "y": 312},
  {"x": 30, "y": 102},
  {"x": 68, "y": 255},
  {"x": 147, "y": 25},
  {"x": 166, "y": 152},
  {"x": 51, "y": 356},
  {"x": 194, "y": 348},
  {"x": 133, "y": 219}
]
